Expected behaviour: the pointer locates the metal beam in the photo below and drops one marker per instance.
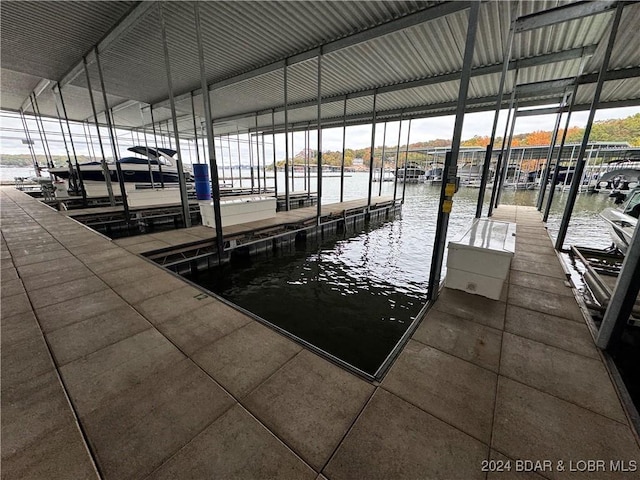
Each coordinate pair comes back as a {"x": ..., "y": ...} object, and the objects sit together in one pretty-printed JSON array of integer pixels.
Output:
[
  {"x": 127, "y": 22},
  {"x": 562, "y": 14},
  {"x": 450, "y": 169},
  {"x": 546, "y": 59},
  {"x": 548, "y": 86},
  {"x": 184, "y": 199},
  {"x": 423, "y": 16}
]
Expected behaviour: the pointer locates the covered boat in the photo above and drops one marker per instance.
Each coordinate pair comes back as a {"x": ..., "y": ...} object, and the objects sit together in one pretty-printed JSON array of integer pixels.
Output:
[
  {"x": 157, "y": 167},
  {"x": 622, "y": 221}
]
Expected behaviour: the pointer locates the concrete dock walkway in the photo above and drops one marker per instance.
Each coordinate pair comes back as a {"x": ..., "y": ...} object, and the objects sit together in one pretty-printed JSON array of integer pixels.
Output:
[{"x": 114, "y": 368}]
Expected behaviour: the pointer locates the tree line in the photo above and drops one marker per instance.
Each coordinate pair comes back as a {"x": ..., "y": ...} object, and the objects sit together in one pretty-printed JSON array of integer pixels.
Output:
[{"x": 615, "y": 130}]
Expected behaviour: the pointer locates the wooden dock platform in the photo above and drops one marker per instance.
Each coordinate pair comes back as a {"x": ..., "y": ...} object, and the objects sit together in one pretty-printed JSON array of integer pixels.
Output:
[{"x": 113, "y": 368}]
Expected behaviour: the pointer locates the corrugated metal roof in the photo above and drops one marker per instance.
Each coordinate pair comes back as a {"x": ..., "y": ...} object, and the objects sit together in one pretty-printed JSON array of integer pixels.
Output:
[{"x": 241, "y": 37}]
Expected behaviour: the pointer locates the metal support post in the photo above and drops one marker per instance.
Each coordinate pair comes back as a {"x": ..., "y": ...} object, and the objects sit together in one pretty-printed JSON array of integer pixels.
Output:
[
  {"x": 258, "y": 156},
  {"x": 547, "y": 166},
  {"x": 373, "y": 146},
  {"x": 273, "y": 140},
  {"x": 43, "y": 133},
  {"x": 406, "y": 160},
  {"x": 507, "y": 159},
  {"x": 34, "y": 159},
  {"x": 230, "y": 159},
  {"x": 250, "y": 143},
  {"x": 239, "y": 156},
  {"x": 384, "y": 141},
  {"x": 286, "y": 138},
  {"x": 624, "y": 296},
  {"x": 499, "y": 163},
  {"x": 293, "y": 162},
  {"x": 344, "y": 143},
  {"x": 449, "y": 172},
  {"x": 556, "y": 172},
  {"x": 72, "y": 176},
  {"x": 184, "y": 199},
  {"x": 264, "y": 164},
  {"x": 319, "y": 215},
  {"x": 195, "y": 128},
  {"x": 397, "y": 164},
  {"x": 155, "y": 138},
  {"x": 577, "y": 174},
  {"x": 487, "y": 158},
  {"x": 208, "y": 117},
  {"x": 105, "y": 168},
  {"x": 146, "y": 146},
  {"x": 110, "y": 127}
]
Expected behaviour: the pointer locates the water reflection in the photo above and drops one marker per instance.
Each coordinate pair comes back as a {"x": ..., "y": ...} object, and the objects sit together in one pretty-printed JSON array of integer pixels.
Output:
[{"x": 355, "y": 297}]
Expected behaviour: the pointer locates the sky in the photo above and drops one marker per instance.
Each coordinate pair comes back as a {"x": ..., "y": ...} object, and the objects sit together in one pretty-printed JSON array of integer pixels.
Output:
[{"x": 12, "y": 133}]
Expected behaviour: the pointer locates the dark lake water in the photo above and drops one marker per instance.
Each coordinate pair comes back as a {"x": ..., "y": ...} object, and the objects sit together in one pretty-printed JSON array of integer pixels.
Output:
[{"x": 355, "y": 297}]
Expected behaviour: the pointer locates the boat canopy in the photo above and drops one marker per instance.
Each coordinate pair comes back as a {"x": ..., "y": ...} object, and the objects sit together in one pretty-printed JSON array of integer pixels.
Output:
[{"x": 152, "y": 152}]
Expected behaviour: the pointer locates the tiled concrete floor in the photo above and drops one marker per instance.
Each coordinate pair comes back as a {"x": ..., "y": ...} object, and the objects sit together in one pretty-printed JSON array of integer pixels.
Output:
[{"x": 112, "y": 368}]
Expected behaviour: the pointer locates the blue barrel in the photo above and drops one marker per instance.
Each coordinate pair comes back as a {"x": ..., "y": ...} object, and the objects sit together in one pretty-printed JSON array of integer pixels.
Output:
[{"x": 201, "y": 179}]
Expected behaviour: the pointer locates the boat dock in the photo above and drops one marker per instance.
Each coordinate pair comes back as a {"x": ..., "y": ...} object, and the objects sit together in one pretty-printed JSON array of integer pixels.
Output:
[{"x": 115, "y": 368}]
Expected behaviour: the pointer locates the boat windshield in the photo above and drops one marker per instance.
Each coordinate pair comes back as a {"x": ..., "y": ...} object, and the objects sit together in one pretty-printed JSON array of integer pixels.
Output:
[{"x": 633, "y": 205}]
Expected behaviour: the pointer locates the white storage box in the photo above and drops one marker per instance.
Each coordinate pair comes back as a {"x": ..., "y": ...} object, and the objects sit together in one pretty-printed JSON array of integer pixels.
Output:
[
  {"x": 237, "y": 210},
  {"x": 479, "y": 262}
]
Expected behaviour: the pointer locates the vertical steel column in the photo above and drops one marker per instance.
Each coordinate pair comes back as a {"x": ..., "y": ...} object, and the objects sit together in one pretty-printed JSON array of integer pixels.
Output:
[
  {"x": 230, "y": 158},
  {"x": 319, "y": 136},
  {"x": 305, "y": 159},
  {"x": 373, "y": 146},
  {"x": 547, "y": 165},
  {"x": 72, "y": 176},
  {"x": 395, "y": 170},
  {"x": 250, "y": 158},
  {"x": 624, "y": 296},
  {"x": 450, "y": 167},
  {"x": 105, "y": 168},
  {"x": 487, "y": 159},
  {"x": 115, "y": 136},
  {"x": 577, "y": 174},
  {"x": 195, "y": 127},
  {"x": 208, "y": 118},
  {"x": 286, "y": 138},
  {"x": 556, "y": 172},
  {"x": 507, "y": 159},
  {"x": 308, "y": 159},
  {"x": 293, "y": 160},
  {"x": 406, "y": 160},
  {"x": 566, "y": 176},
  {"x": 221, "y": 157},
  {"x": 114, "y": 148},
  {"x": 186, "y": 215},
  {"x": 34, "y": 159},
  {"x": 239, "y": 156},
  {"x": 384, "y": 141},
  {"x": 344, "y": 143},
  {"x": 155, "y": 139},
  {"x": 499, "y": 162},
  {"x": 273, "y": 140},
  {"x": 264, "y": 164},
  {"x": 146, "y": 147},
  {"x": 36, "y": 110},
  {"x": 169, "y": 137},
  {"x": 258, "y": 156}
]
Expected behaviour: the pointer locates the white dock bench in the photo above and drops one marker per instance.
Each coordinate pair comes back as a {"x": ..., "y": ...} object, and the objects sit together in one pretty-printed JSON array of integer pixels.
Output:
[{"x": 479, "y": 262}]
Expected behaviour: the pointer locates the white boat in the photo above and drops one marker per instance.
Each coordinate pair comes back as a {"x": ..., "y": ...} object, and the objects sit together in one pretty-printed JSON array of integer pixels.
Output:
[
  {"x": 157, "y": 167},
  {"x": 622, "y": 221}
]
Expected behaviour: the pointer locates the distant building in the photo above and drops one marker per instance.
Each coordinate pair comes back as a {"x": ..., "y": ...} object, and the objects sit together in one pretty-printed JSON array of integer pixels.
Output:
[{"x": 358, "y": 161}]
